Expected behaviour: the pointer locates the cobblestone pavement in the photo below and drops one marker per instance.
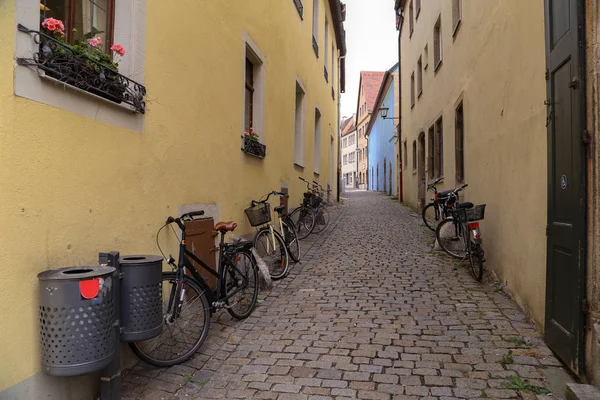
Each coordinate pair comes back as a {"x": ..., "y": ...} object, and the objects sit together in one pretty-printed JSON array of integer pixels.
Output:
[{"x": 372, "y": 313}]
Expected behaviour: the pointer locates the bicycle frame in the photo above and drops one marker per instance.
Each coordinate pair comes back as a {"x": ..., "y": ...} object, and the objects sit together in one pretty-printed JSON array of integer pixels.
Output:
[{"x": 214, "y": 296}]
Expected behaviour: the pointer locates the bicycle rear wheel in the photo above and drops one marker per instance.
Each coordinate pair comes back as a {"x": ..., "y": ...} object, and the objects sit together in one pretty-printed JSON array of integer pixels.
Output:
[
  {"x": 476, "y": 260},
  {"x": 303, "y": 219},
  {"x": 451, "y": 239},
  {"x": 271, "y": 249},
  {"x": 431, "y": 216},
  {"x": 240, "y": 283},
  {"x": 321, "y": 220},
  {"x": 183, "y": 335},
  {"x": 291, "y": 239}
]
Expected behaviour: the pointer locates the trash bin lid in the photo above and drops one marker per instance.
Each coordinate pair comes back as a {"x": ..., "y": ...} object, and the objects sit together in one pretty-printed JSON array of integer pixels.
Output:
[
  {"x": 75, "y": 273},
  {"x": 140, "y": 259}
]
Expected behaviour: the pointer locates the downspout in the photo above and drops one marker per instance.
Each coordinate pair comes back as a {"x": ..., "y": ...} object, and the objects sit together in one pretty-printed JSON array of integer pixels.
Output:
[
  {"x": 339, "y": 133},
  {"x": 401, "y": 166}
]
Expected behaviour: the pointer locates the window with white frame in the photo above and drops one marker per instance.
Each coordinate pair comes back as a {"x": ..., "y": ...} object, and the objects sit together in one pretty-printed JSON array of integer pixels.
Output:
[
  {"x": 317, "y": 142},
  {"x": 315, "y": 27},
  {"x": 108, "y": 22},
  {"x": 325, "y": 50},
  {"x": 345, "y": 158},
  {"x": 299, "y": 124},
  {"x": 253, "y": 89}
]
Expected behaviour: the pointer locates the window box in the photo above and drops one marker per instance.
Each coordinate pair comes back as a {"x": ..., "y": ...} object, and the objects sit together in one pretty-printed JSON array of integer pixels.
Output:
[
  {"x": 65, "y": 64},
  {"x": 254, "y": 148}
]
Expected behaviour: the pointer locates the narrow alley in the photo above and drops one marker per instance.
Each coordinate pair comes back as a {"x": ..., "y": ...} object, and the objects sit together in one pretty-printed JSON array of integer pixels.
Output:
[{"x": 373, "y": 313}]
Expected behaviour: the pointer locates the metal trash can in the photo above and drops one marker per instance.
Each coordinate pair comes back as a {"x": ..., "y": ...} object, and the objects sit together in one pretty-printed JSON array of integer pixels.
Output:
[
  {"x": 77, "y": 317},
  {"x": 141, "y": 297}
]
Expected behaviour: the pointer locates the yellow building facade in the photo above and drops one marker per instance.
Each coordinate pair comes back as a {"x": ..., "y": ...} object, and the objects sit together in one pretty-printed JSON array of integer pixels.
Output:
[
  {"x": 80, "y": 175},
  {"x": 476, "y": 69}
]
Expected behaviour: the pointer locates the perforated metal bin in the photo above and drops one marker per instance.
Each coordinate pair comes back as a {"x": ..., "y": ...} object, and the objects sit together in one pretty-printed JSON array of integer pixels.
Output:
[
  {"x": 141, "y": 297},
  {"x": 77, "y": 316}
]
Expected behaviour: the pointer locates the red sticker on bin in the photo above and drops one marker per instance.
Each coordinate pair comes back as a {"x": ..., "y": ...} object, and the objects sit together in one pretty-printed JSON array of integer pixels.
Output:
[{"x": 89, "y": 288}]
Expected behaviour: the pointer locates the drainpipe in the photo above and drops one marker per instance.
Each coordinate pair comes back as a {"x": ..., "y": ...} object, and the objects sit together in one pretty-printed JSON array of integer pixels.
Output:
[
  {"x": 339, "y": 161},
  {"x": 399, "y": 13}
]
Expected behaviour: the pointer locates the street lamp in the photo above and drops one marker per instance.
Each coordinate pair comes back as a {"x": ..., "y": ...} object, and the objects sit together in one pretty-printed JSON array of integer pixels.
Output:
[{"x": 384, "y": 113}]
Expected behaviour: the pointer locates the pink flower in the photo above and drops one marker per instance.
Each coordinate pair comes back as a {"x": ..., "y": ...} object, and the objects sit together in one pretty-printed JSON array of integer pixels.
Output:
[
  {"x": 95, "y": 41},
  {"x": 246, "y": 134},
  {"x": 54, "y": 25},
  {"x": 119, "y": 49}
]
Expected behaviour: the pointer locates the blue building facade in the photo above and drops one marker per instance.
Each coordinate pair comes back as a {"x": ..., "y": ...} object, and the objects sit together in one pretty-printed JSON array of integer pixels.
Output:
[{"x": 381, "y": 140}]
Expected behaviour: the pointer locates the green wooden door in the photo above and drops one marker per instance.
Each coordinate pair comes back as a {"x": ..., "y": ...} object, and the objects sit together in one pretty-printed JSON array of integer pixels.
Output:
[{"x": 566, "y": 181}]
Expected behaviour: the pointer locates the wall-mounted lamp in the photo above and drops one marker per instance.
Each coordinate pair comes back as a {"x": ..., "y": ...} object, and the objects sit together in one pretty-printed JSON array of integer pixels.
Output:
[{"x": 384, "y": 113}]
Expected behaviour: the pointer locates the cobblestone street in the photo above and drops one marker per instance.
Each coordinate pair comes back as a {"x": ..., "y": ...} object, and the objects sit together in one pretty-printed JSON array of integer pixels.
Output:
[{"x": 372, "y": 313}]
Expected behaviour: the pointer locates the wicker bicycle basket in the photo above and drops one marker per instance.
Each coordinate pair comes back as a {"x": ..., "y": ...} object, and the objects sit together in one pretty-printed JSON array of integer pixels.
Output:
[
  {"x": 259, "y": 214},
  {"x": 315, "y": 201}
]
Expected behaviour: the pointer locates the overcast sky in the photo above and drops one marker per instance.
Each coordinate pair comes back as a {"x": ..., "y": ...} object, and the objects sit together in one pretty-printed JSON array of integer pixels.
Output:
[{"x": 372, "y": 43}]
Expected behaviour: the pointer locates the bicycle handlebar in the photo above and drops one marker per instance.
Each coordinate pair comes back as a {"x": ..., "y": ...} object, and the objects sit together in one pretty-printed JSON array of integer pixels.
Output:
[
  {"x": 255, "y": 202},
  {"x": 189, "y": 216}
]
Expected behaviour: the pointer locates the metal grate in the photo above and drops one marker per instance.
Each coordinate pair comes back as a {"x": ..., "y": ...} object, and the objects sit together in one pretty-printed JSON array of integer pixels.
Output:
[{"x": 145, "y": 307}]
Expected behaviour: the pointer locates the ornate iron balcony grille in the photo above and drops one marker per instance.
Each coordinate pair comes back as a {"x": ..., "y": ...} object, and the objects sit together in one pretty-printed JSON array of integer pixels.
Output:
[
  {"x": 315, "y": 46},
  {"x": 63, "y": 63},
  {"x": 254, "y": 148},
  {"x": 299, "y": 7}
]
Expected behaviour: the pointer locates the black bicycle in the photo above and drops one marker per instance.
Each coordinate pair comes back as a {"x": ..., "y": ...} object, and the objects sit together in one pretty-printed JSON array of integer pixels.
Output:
[
  {"x": 441, "y": 203},
  {"x": 188, "y": 301}
]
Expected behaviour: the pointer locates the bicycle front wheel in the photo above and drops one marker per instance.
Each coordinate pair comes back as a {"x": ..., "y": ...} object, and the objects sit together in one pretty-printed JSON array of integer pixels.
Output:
[
  {"x": 182, "y": 335},
  {"x": 431, "y": 216},
  {"x": 476, "y": 259},
  {"x": 304, "y": 220},
  {"x": 271, "y": 249},
  {"x": 241, "y": 285},
  {"x": 451, "y": 239},
  {"x": 291, "y": 240},
  {"x": 321, "y": 220}
]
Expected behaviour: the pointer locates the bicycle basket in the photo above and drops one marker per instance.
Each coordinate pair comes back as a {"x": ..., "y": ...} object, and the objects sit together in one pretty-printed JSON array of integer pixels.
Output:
[
  {"x": 315, "y": 201},
  {"x": 476, "y": 213},
  {"x": 259, "y": 214}
]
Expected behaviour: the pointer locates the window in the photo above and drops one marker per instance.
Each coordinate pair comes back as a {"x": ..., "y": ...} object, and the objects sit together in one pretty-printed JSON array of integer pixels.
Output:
[
  {"x": 411, "y": 22},
  {"x": 419, "y": 77},
  {"x": 315, "y": 27},
  {"x": 300, "y": 118},
  {"x": 345, "y": 159},
  {"x": 426, "y": 56},
  {"x": 332, "y": 66},
  {"x": 299, "y": 7},
  {"x": 437, "y": 44},
  {"x": 352, "y": 140},
  {"x": 254, "y": 91},
  {"x": 405, "y": 148},
  {"x": 414, "y": 155},
  {"x": 83, "y": 19},
  {"x": 430, "y": 152},
  {"x": 456, "y": 15},
  {"x": 317, "y": 143},
  {"x": 438, "y": 164},
  {"x": 459, "y": 142},
  {"x": 249, "y": 97},
  {"x": 412, "y": 90},
  {"x": 325, "y": 50},
  {"x": 417, "y": 8}
]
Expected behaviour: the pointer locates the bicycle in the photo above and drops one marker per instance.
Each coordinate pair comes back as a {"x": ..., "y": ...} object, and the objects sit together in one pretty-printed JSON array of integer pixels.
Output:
[
  {"x": 441, "y": 203},
  {"x": 272, "y": 246},
  {"x": 188, "y": 300},
  {"x": 324, "y": 193},
  {"x": 320, "y": 205},
  {"x": 303, "y": 217},
  {"x": 459, "y": 236}
]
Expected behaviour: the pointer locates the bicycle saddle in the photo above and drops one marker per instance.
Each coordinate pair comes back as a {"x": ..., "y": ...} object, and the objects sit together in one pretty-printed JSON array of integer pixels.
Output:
[
  {"x": 226, "y": 226},
  {"x": 465, "y": 205}
]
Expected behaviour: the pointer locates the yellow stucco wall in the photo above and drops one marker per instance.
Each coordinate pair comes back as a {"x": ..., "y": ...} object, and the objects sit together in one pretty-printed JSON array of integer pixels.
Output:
[
  {"x": 496, "y": 64},
  {"x": 72, "y": 186}
]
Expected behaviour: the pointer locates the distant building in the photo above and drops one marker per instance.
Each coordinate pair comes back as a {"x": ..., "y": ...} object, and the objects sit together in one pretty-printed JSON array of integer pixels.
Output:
[
  {"x": 370, "y": 81},
  {"x": 348, "y": 145},
  {"x": 382, "y": 138}
]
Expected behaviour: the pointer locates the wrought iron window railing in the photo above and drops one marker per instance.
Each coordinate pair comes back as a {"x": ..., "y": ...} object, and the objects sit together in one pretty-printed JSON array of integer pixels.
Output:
[
  {"x": 299, "y": 7},
  {"x": 69, "y": 66},
  {"x": 315, "y": 46},
  {"x": 254, "y": 148}
]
